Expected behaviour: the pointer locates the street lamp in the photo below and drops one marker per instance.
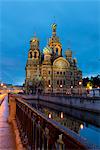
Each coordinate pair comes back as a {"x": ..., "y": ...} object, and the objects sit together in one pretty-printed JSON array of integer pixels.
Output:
[
  {"x": 50, "y": 87},
  {"x": 1, "y": 84},
  {"x": 61, "y": 88},
  {"x": 62, "y": 115},
  {"x": 61, "y": 85},
  {"x": 80, "y": 90},
  {"x": 49, "y": 115},
  {"x": 80, "y": 83},
  {"x": 81, "y": 126},
  {"x": 71, "y": 89}
]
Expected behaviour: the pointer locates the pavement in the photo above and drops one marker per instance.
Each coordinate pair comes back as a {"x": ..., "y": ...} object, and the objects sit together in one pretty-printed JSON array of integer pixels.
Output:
[
  {"x": 2, "y": 96},
  {"x": 7, "y": 139}
]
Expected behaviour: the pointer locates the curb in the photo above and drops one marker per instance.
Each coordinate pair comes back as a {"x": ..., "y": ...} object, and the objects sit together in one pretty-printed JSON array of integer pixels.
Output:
[
  {"x": 2, "y": 101},
  {"x": 19, "y": 145}
]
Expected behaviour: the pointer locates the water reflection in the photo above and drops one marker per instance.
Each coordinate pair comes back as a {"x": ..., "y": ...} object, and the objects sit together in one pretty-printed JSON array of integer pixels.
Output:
[
  {"x": 63, "y": 119},
  {"x": 81, "y": 126},
  {"x": 62, "y": 115},
  {"x": 77, "y": 125}
]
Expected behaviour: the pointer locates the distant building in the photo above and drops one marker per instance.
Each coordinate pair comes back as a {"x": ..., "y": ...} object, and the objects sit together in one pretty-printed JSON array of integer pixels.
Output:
[{"x": 50, "y": 72}]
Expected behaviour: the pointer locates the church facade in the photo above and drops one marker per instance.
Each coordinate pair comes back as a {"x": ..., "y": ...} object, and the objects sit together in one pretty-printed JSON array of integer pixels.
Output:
[{"x": 49, "y": 71}]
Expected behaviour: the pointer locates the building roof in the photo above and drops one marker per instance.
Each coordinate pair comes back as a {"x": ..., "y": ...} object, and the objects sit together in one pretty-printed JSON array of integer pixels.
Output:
[{"x": 47, "y": 50}]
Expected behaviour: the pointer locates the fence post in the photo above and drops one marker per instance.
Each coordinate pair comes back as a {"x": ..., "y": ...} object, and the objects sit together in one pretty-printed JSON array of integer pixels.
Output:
[{"x": 60, "y": 141}]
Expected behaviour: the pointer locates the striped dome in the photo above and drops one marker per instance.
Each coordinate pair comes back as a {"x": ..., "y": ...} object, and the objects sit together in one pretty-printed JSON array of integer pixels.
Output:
[{"x": 47, "y": 50}]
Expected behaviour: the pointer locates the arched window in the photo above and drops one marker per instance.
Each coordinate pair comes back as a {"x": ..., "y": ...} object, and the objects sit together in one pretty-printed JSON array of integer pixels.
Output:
[
  {"x": 64, "y": 82},
  {"x": 49, "y": 72},
  {"x": 35, "y": 54},
  {"x": 57, "y": 82},
  {"x": 60, "y": 82},
  {"x": 49, "y": 82},
  {"x": 30, "y": 54}
]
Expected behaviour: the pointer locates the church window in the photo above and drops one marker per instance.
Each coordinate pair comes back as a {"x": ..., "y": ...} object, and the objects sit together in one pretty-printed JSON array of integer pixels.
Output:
[
  {"x": 64, "y": 82},
  {"x": 64, "y": 73},
  {"x": 60, "y": 72},
  {"x": 57, "y": 72},
  {"x": 30, "y": 54},
  {"x": 57, "y": 82},
  {"x": 35, "y": 54},
  {"x": 60, "y": 82},
  {"x": 49, "y": 72},
  {"x": 49, "y": 82}
]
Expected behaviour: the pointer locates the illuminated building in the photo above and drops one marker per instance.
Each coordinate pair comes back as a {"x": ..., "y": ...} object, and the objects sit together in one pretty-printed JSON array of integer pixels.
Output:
[{"x": 49, "y": 71}]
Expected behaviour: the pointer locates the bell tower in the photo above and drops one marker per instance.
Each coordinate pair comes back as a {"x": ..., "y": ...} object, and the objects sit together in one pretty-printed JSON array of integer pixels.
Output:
[
  {"x": 33, "y": 58},
  {"x": 54, "y": 43},
  {"x": 34, "y": 52}
]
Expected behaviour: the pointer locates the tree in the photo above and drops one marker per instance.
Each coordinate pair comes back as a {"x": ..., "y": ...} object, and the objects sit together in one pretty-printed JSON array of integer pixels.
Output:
[
  {"x": 85, "y": 81},
  {"x": 95, "y": 81}
]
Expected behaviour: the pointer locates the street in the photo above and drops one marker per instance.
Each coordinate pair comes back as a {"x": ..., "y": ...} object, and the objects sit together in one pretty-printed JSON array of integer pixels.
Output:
[
  {"x": 7, "y": 140},
  {"x": 2, "y": 96}
]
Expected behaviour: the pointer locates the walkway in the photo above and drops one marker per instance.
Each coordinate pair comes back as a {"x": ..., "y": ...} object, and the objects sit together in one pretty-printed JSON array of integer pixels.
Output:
[{"x": 7, "y": 141}]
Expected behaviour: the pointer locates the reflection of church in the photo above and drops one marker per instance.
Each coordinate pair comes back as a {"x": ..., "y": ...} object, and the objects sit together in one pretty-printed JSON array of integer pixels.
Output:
[
  {"x": 67, "y": 121},
  {"x": 50, "y": 72}
]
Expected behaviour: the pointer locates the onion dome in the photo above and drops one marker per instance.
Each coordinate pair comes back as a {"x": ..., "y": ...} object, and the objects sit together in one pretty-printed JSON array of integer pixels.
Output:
[
  {"x": 75, "y": 60},
  {"x": 69, "y": 53},
  {"x": 34, "y": 39},
  {"x": 47, "y": 50}
]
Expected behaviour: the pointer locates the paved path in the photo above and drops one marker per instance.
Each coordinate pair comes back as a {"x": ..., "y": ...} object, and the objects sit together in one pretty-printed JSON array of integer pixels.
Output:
[
  {"x": 2, "y": 97},
  {"x": 7, "y": 141}
]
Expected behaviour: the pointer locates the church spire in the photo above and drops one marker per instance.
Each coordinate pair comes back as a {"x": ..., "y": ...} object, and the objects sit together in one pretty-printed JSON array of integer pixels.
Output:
[{"x": 34, "y": 34}]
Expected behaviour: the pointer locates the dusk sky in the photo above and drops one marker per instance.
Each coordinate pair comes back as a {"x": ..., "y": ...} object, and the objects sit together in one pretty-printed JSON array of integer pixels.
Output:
[{"x": 78, "y": 21}]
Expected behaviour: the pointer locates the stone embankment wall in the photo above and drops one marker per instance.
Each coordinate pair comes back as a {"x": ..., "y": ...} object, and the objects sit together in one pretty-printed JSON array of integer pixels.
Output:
[{"x": 83, "y": 103}]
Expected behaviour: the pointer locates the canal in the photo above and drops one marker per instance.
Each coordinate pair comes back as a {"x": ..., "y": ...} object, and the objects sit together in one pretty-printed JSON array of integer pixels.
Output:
[{"x": 84, "y": 123}]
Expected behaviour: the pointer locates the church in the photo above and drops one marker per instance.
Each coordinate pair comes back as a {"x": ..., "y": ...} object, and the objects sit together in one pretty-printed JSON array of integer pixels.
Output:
[{"x": 48, "y": 71}]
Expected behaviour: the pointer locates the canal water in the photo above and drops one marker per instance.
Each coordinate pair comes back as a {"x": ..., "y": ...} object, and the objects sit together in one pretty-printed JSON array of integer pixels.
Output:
[{"x": 83, "y": 123}]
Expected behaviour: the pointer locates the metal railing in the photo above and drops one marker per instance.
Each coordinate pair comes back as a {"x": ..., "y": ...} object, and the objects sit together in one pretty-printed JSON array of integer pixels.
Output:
[{"x": 39, "y": 132}]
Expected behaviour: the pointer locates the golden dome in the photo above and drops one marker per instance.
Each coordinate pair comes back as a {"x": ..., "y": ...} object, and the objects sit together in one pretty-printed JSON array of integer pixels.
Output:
[
  {"x": 47, "y": 50},
  {"x": 75, "y": 60},
  {"x": 34, "y": 39},
  {"x": 68, "y": 53}
]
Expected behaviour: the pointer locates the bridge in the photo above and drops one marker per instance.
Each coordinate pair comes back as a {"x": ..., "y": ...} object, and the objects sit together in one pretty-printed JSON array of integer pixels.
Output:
[{"x": 34, "y": 130}]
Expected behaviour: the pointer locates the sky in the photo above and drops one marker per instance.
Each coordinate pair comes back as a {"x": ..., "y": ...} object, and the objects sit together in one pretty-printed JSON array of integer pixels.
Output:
[{"x": 78, "y": 21}]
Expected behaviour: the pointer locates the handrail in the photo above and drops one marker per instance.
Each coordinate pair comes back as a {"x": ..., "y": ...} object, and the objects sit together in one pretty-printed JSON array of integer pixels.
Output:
[
  {"x": 70, "y": 134},
  {"x": 29, "y": 119}
]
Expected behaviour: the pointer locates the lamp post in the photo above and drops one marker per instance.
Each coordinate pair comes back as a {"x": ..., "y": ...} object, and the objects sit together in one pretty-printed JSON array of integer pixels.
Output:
[
  {"x": 71, "y": 89},
  {"x": 81, "y": 126},
  {"x": 49, "y": 115},
  {"x": 80, "y": 90},
  {"x": 62, "y": 115},
  {"x": 61, "y": 89},
  {"x": 50, "y": 88}
]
